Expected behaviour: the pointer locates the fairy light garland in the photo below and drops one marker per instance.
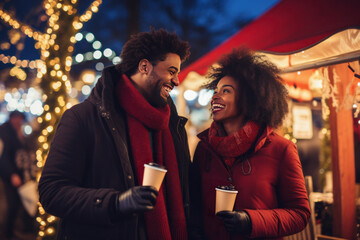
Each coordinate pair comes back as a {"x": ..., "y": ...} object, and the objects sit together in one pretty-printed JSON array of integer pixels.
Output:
[
  {"x": 25, "y": 63},
  {"x": 56, "y": 46},
  {"x": 27, "y": 30}
]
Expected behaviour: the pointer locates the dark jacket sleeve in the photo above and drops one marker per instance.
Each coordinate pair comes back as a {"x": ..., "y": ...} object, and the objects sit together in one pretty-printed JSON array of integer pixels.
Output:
[
  {"x": 196, "y": 228},
  {"x": 60, "y": 189},
  {"x": 293, "y": 212}
]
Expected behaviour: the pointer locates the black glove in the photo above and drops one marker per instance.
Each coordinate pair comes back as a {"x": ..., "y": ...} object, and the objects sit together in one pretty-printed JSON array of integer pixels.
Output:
[
  {"x": 236, "y": 221},
  {"x": 136, "y": 200}
]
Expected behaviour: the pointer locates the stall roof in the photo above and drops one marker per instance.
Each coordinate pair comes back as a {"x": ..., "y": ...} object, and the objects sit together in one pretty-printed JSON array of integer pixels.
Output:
[{"x": 289, "y": 27}]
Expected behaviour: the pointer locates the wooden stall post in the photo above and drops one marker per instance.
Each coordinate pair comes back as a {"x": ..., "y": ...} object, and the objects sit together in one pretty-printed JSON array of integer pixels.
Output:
[{"x": 343, "y": 162}]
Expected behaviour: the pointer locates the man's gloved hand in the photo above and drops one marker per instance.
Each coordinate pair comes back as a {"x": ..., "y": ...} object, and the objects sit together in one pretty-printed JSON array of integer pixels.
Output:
[
  {"x": 236, "y": 221},
  {"x": 136, "y": 200}
]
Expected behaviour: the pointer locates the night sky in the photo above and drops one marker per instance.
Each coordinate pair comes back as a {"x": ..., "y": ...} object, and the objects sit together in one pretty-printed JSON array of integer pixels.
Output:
[{"x": 102, "y": 24}]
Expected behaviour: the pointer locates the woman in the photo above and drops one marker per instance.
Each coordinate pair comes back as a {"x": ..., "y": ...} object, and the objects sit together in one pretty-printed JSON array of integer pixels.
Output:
[{"x": 241, "y": 149}]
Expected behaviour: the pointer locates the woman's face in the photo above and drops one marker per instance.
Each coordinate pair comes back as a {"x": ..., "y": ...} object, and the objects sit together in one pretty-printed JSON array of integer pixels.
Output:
[{"x": 224, "y": 102}]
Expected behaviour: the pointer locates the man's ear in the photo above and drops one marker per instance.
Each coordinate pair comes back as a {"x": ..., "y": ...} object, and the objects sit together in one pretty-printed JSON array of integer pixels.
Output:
[{"x": 144, "y": 66}]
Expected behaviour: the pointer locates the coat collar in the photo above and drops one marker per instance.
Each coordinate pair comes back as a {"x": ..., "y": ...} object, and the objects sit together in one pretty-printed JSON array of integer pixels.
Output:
[
  {"x": 204, "y": 136},
  {"x": 104, "y": 91}
]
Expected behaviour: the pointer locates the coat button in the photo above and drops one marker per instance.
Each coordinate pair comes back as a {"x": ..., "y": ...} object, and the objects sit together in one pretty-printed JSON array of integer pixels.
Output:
[
  {"x": 129, "y": 177},
  {"x": 113, "y": 129},
  {"x": 229, "y": 179}
]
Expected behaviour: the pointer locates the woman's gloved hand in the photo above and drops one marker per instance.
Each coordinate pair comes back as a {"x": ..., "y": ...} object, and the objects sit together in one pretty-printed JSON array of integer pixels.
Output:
[
  {"x": 236, "y": 221},
  {"x": 136, "y": 200}
]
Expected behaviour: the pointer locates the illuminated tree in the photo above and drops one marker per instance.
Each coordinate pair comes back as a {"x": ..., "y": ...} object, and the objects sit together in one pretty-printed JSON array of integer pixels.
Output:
[{"x": 56, "y": 46}]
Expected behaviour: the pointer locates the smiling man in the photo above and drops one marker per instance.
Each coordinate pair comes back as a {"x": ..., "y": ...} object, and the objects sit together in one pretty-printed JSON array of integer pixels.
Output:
[
  {"x": 93, "y": 174},
  {"x": 155, "y": 81}
]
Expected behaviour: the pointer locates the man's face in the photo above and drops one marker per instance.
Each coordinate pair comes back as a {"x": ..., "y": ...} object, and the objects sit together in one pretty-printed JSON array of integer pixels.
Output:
[{"x": 162, "y": 79}]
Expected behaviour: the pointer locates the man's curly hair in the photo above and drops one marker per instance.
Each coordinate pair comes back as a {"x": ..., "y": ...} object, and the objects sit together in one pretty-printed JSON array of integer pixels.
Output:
[
  {"x": 153, "y": 46},
  {"x": 262, "y": 93}
]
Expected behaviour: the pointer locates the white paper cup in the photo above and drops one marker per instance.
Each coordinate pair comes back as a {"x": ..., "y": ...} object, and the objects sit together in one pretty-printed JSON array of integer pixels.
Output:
[
  {"x": 225, "y": 200},
  {"x": 153, "y": 176}
]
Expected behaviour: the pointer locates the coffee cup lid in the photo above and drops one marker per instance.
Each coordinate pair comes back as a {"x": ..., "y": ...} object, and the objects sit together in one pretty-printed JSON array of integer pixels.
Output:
[
  {"x": 225, "y": 187},
  {"x": 230, "y": 188},
  {"x": 156, "y": 166}
]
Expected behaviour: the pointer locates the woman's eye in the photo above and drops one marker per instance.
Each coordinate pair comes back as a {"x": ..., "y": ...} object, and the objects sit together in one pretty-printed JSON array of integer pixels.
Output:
[{"x": 226, "y": 91}]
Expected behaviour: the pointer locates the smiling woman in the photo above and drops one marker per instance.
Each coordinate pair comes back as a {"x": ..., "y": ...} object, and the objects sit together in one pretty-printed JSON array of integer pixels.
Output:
[
  {"x": 224, "y": 104},
  {"x": 241, "y": 150}
]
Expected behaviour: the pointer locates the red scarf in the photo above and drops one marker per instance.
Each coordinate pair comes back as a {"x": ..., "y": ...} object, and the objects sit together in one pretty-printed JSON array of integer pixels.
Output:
[
  {"x": 166, "y": 221},
  {"x": 230, "y": 147}
]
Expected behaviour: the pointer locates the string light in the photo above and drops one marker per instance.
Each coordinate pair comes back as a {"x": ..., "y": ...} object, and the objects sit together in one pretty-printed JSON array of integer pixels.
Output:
[
  {"x": 21, "y": 63},
  {"x": 96, "y": 54},
  {"x": 52, "y": 73},
  {"x": 27, "y": 30}
]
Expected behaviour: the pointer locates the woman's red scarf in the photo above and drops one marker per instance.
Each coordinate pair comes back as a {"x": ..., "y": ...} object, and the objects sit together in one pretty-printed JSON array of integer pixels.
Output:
[
  {"x": 230, "y": 147},
  {"x": 167, "y": 220}
]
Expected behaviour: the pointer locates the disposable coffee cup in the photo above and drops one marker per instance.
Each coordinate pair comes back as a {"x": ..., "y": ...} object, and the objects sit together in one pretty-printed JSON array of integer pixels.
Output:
[
  {"x": 225, "y": 198},
  {"x": 153, "y": 175}
]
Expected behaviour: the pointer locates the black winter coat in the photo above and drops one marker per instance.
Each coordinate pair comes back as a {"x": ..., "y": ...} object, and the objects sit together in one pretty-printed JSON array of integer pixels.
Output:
[{"x": 89, "y": 163}]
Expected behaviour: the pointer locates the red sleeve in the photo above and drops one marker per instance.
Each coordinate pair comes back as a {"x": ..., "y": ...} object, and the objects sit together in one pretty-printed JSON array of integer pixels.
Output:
[{"x": 293, "y": 212}]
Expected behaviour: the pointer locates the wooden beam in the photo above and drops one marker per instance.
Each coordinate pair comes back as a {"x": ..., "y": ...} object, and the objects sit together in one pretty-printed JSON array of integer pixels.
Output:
[{"x": 343, "y": 160}]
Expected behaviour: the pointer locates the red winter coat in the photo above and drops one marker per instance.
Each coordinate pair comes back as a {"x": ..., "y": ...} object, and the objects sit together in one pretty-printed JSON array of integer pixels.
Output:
[{"x": 271, "y": 188}]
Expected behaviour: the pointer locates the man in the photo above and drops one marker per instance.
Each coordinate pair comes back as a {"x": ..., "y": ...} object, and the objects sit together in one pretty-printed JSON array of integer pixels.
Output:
[
  {"x": 10, "y": 143},
  {"x": 93, "y": 174}
]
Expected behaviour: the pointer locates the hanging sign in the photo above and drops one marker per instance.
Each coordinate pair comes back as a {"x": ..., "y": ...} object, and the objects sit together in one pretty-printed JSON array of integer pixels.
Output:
[{"x": 302, "y": 122}]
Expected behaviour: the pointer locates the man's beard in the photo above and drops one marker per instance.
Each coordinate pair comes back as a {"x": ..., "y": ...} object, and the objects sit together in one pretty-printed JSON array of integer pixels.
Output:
[{"x": 155, "y": 98}]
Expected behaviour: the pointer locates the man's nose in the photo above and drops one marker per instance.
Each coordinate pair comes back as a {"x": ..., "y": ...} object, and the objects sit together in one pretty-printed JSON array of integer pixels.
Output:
[{"x": 175, "y": 81}]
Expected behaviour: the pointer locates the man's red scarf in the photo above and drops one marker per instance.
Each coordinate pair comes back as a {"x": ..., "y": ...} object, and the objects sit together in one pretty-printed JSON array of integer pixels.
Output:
[
  {"x": 234, "y": 145},
  {"x": 167, "y": 220}
]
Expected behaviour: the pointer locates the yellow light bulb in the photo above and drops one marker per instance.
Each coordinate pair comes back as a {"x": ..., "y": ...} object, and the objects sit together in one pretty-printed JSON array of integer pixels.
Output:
[
  {"x": 48, "y": 116},
  {"x": 50, "y": 129},
  {"x": 50, "y": 230},
  {"x": 39, "y": 158},
  {"x": 72, "y": 39},
  {"x": 45, "y": 146}
]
